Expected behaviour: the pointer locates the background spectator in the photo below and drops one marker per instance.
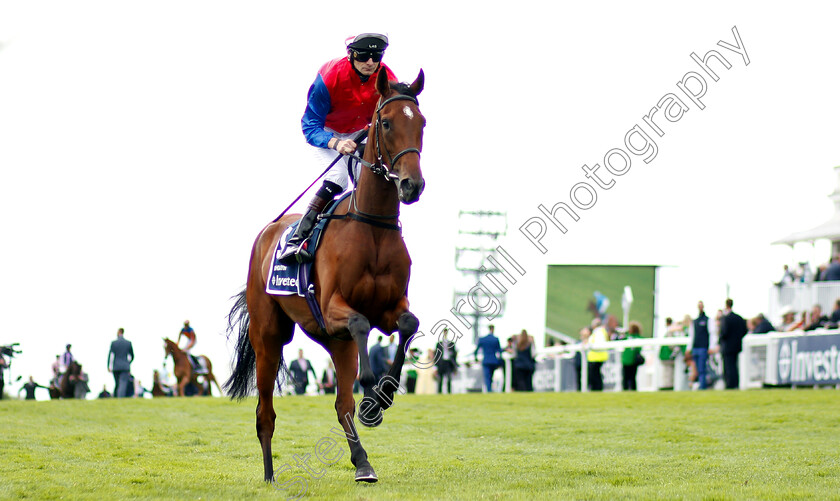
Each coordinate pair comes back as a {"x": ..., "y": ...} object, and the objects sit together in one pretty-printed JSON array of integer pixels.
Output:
[
  {"x": 447, "y": 365},
  {"x": 491, "y": 352},
  {"x": 328, "y": 379},
  {"x": 595, "y": 359},
  {"x": 788, "y": 317},
  {"x": 762, "y": 325},
  {"x": 835, "y": 313},
  {"x": 524, "y": 361},
  {"x": 818, "y": 320},
  {"x": 732, "y": 329},
  {"x": 631, "y": 358},
  {"x": 378, "y": 360},
  {"x": 833, "y": 271},
  {"x": 300, "y": 369},
  {"x": 700, "y": 346},
  {"x": 120, "y": 357},
  {"x": 80, "y": 384},
  {"x": 426, "y": 374},
  {"x": 30, "y": 388}
]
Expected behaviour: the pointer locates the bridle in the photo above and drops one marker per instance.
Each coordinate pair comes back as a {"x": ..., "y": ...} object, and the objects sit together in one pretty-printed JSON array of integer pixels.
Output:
[{"x": 379, "y": 167}]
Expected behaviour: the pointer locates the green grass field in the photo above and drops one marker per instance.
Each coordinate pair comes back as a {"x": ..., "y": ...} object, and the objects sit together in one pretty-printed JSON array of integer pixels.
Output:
[{"x": 769, "y": 444}]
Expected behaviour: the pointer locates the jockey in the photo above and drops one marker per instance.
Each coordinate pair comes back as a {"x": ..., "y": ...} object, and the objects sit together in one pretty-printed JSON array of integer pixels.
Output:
[
  {"x": 188, "y": 333},
  {"x": 339, "y": 105}
]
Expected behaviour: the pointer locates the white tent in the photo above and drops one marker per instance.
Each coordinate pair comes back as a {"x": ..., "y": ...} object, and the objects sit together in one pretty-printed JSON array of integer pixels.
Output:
[{"x": 829, "y": 230}]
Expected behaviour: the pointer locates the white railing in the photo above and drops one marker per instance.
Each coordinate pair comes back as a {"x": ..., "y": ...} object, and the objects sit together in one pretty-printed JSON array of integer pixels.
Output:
[
  {"x": 802, "y": 297},
  {"x": 758, "y": 364},
  {"x": 652, "y": 376}
]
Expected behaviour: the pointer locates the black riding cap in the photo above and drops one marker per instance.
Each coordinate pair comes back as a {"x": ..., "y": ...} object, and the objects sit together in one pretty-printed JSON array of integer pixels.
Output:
[{"x": 369, "y": 42}]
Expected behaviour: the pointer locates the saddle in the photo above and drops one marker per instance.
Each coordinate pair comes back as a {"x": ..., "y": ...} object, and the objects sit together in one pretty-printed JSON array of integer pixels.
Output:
[{"x": 198, "y": 365}]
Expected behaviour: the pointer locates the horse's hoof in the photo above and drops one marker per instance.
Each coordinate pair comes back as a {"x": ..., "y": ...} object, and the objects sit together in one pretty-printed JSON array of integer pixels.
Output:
[
  {"x": 366, "y": 474},
  {"x": 370, "y": 412},
  {"x": 371, "y": 422}
]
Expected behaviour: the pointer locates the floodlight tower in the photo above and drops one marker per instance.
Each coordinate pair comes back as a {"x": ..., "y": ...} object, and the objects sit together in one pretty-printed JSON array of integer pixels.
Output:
[{"x": 478, "y": 235}]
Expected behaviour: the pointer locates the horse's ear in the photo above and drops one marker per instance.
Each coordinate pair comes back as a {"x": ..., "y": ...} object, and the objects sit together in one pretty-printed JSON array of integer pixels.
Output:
[
  {"x": 382, "y": 85},
  {"x": 417, "y": 86}
]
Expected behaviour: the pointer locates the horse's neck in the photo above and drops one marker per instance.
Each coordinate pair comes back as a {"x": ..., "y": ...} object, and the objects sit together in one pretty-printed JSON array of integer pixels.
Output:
[
  {"x": 178, "y": 354},
  {"x": 374, "y": 194}
]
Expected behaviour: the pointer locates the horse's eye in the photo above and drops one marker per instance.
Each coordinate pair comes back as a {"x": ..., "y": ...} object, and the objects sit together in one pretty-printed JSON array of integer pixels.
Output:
[{"x": 386, "y": 124}]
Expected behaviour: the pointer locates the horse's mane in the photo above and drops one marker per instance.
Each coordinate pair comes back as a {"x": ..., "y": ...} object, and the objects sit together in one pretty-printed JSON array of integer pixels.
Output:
[{"x": 403, "y": 88}]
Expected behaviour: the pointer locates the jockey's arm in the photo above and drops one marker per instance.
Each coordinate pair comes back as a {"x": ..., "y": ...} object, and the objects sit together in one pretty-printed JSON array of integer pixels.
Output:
[{"x": 315, "y": 116}]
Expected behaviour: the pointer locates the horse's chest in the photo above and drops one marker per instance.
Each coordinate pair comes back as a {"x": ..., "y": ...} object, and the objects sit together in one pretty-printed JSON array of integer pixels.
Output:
[{"x": 381, "y": 287}]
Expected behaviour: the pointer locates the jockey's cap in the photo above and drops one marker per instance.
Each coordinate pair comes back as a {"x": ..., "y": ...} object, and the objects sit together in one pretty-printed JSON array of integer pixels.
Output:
[{"x": 368, "y": 42}]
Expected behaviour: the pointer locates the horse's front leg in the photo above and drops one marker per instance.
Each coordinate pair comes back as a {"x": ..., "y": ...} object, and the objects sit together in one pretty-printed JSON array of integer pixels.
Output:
[
  {"x": 346, "y": 360},
  {"x": 338, "y": 316},
  {"x": 182, "y": 386},
  {"x": 407, "y": 325}
]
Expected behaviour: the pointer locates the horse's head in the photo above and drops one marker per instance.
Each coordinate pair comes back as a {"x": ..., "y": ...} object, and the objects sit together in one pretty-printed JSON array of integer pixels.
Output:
[
  {"x": 169, "y": 345},
  {"x": 398, "y": 131}
]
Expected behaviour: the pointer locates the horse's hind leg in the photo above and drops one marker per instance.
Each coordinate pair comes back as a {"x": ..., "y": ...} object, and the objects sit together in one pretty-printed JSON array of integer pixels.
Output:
[
  {"x": 344, "y": 355},
  {"x": 212, "y": 380},
  {"x": 269, "y": 330}
]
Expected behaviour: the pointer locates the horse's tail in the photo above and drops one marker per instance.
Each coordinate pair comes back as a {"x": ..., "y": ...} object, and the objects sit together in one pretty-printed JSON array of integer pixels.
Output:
[{"x": 244, "y": 366}]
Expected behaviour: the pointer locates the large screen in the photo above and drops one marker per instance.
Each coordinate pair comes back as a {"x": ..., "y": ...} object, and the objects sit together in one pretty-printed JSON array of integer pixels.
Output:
[{"x": 575, "y": 293}]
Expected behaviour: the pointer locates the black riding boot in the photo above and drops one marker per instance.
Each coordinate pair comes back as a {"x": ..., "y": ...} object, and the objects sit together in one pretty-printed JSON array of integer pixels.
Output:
[{"x": 296, "y": 248}]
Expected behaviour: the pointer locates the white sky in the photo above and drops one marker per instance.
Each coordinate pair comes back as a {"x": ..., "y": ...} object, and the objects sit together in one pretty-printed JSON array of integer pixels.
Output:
[{"x": 144, "y": 144}]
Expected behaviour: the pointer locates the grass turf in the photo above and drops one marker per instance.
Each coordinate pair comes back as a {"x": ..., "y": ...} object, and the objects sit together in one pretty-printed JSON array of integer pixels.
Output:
[{"x": 769, "y": 444}]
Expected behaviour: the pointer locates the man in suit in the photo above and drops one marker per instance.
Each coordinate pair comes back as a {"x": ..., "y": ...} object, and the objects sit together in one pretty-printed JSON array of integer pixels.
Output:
[
  {"x": 491, "y": 350},
  {"x": 446, "y": 356},
  {"x": 119, "y": 363},
  {"x": 300, "y": 369},
  {"x": 378, "y": 360},
  {"x": 732, "y": 329}
]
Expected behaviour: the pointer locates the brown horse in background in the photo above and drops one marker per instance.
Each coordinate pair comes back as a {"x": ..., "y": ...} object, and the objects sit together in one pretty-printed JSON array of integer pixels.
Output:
[
  {"x": 67, "y": 382},
  {"x": 184, "y": 372},
  {"x": 361, "y": 274}
]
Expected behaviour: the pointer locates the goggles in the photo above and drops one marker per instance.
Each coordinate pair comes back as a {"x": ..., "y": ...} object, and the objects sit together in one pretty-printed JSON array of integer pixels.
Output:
[{"x": 363, "y": 55}]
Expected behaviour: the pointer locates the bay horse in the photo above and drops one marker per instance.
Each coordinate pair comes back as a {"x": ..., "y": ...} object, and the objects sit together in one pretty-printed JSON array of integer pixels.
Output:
[
  {"x": 360, "y": 277},
  {"x": 67, "y": 382},
  {"x": 184, "y": 370}
]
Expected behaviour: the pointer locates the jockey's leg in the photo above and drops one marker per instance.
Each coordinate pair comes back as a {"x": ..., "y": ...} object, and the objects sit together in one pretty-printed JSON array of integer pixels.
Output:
[{"x": 295, "y": 250}]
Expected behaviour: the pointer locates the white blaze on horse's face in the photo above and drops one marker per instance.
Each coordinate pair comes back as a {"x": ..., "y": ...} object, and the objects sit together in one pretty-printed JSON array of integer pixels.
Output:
[{"x": 407, "y": 112}]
